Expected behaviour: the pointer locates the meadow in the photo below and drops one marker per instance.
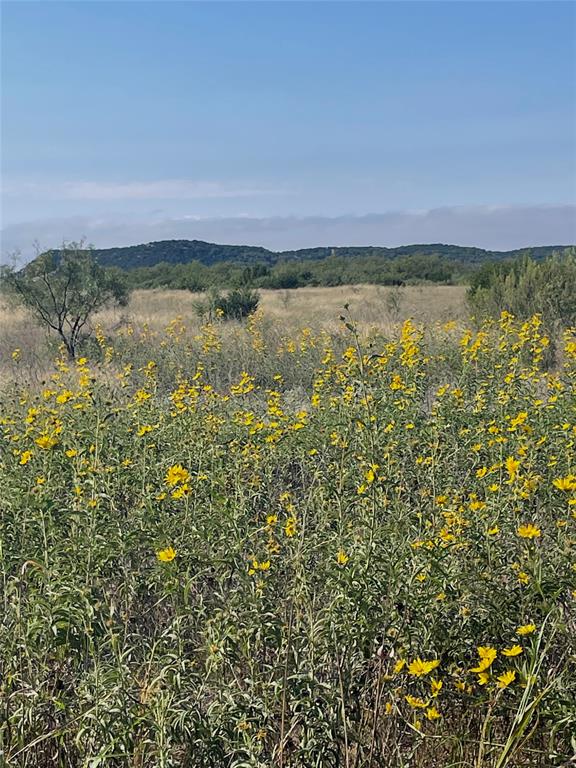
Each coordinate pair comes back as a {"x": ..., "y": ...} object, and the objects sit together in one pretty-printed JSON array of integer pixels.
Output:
[
  {"x": 375, "y": 308},
  {"x": 339, "y": 534}
]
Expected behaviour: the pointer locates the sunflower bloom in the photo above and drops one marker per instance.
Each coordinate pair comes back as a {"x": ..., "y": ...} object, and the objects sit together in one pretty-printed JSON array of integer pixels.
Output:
[
  {"x": 176, "y": 475},
  {"x": 506, "y": 678},
  {"x": 529, "y": 531},
  {"x": 166, "y": 555},
  {"x": 526, "y": 629},
  {"x": 46, "y": 441},
  {"x": 512, "y": 466},
  {"x": 342, "y": 558},
  {"x": 487, "y": 655},
  {"x": 567, "y": 483},
  {"x": 419, "y": 668},
  {"x": 514, "y": 650},
  {"x": 415, "y": 702}
]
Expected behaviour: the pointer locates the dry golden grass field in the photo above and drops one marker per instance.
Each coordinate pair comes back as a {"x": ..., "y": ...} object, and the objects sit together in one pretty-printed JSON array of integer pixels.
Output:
[{"x": 372, "y": 307}]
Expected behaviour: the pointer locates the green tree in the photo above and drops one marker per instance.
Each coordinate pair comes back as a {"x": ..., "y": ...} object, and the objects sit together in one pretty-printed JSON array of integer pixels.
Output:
[{"x": 63, "y": 289}]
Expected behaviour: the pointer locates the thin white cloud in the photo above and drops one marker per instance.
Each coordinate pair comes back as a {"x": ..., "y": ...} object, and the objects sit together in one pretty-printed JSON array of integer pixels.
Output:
[
  {"x": 492, "y": 227},
  {"x": 163, "y": 189}
]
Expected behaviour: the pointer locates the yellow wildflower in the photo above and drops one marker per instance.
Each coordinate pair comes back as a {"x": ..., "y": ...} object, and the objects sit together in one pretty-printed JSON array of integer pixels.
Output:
[
  {"x": 526, "y": 629},
  {"x": 342, "y": 558},
  {"x": 514, "y": 650},
  {"x": 166, "y": 555},
  {"x": 493, "y": 530},
  {"x": 141, "y": 396},
  {"x": 435, "y": 686},
  {"x": 512, "y": 465},
  {"x": 419, "y": 668},
  {"x": 506, "y": 678},
  {"x": 46, "y": 441},
  {"x": 257, "y": 565},
  {"x": 415, "y": 702},
  {"x": 176, "y": 475},
  {"x": 371, "y": 473},
  {"x": 567, "y": 483},
  {"x": 487, "y": 655},
  {"x": 181, "y": 491},
  {"x": 528, "y": 531}
]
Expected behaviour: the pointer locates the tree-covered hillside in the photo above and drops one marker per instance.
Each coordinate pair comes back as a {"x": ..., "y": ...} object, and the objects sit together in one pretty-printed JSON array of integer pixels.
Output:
[
  {"x": 180, "y": 252},
  {"x": 197, "y": 266},
  {"x": 184, "y": 251}
]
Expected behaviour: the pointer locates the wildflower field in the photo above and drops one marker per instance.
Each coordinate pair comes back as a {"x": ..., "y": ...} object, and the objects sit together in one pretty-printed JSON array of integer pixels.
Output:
[{"x": 240, "y": 547}]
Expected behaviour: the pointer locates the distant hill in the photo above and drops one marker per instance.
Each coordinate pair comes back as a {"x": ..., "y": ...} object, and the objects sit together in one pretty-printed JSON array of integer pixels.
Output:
[
  {"x": 185, "y": 251},
  {"x": 181, "y": 252},
  {"x": 198, "y": 266}
]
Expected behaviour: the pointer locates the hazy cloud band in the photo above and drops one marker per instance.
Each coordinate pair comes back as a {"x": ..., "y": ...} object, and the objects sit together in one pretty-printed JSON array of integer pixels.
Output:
[
  {"x": 163, "y": 189},
  {"x": 499, "y": 228}
]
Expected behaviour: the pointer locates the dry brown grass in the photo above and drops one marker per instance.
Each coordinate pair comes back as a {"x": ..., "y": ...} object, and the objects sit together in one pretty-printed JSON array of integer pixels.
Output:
[{"x": 370, "y": 306}]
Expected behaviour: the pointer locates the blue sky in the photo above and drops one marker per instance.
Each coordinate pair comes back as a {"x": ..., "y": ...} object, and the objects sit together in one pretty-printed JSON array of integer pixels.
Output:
[{"x": 289, "y": 123}]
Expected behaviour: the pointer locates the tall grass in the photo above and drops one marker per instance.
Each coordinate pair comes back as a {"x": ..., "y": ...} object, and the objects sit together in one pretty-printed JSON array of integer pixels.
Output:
[{"x": 149, "y": 313}]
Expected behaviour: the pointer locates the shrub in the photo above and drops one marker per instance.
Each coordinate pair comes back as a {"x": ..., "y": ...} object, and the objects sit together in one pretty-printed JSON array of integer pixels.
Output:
[
  {"x": 527, "y": 287},
  {"x": 234, "y": 305},
  {"x": 237, "y": 304}
]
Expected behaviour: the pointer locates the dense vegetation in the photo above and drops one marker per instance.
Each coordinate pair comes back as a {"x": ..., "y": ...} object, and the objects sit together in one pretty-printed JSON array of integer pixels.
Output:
[
  {"x": 184, "y": 251},
  {"x": 526, "y": 287},
  {"x": 180, "y": 252},
  {"x": 198, "y": 266},
  {"x": 238, "y": 547},
  {"x": 334, "y": 270}
]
